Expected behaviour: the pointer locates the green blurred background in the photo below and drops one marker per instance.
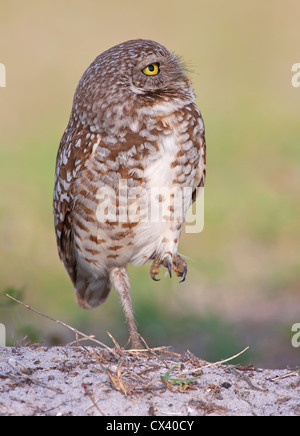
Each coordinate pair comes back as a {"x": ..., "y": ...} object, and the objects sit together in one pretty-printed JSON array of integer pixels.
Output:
[{"x": 244, "y": 268}]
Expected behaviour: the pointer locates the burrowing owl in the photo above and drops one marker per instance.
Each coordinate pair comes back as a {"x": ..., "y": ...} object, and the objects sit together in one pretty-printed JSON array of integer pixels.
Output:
[{"x": 135, "y": 141}]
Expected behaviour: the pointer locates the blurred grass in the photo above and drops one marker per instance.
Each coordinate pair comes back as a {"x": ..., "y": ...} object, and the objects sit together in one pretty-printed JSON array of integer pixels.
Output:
[{"x": 240, "y": 55}]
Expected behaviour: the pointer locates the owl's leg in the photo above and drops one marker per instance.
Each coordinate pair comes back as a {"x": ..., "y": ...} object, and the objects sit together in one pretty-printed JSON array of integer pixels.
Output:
[{"x": 120, "y": 280}]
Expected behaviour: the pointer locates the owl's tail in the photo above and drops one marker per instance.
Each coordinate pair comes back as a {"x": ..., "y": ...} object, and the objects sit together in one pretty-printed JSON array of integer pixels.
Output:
[{"x": 92, "y": 292}]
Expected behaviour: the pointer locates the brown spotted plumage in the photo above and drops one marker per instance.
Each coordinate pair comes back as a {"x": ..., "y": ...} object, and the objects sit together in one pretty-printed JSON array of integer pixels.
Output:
[{"x": 134, "y": 140}]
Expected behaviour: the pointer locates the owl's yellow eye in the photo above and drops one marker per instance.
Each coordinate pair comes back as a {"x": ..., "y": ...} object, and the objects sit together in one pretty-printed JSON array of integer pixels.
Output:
[{"x": 151, "y": 70}]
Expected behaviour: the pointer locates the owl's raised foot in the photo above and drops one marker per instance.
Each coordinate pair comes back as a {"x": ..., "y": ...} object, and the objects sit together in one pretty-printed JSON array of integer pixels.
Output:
[{"x": 178, "y": 264}]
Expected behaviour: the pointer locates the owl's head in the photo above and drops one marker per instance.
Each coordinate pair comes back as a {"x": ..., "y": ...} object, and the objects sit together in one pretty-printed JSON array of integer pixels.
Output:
[
  {"x": 134, "y": 74},
  {"x": 153, "y": 69}
]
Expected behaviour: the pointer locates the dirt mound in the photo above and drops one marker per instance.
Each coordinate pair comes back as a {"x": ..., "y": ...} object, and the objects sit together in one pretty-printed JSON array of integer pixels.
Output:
[{"x": 91, "y": 381}]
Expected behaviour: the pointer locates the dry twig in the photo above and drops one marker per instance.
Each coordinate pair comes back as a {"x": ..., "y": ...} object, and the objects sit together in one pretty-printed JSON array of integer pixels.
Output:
[
  {"x": 215, "y": 363},
  {"x": 289, "y": 374},
  {"x": 84, "y": 386},
  {"x": 77, "y": 332},
  {"x": 21, "y": 377}
]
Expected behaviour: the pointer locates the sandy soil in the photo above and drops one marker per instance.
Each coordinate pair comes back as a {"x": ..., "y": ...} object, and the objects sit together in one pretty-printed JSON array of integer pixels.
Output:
[{"x": 92, "y": 381}]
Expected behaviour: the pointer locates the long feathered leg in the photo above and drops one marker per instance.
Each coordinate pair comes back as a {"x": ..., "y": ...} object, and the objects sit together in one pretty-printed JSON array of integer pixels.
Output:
[{"x": 120, "y": 280}]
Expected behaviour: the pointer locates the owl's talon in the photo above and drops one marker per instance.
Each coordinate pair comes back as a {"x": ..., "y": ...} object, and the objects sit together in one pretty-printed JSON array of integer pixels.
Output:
[
  {"x": 154, "y": 270},
  {"x": 170, "y": 269},
  {"x": 153, "y": 277},
  {"x": 167, "y": 263},
  {"x": 184, "y": 274},
  {"x": 180, "y": 267}
]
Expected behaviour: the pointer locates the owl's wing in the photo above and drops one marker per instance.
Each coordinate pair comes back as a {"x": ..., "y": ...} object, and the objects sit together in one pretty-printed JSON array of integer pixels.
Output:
[
  {"x": 199, "y": 139},
  {"x": 75, "y": 148}
]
